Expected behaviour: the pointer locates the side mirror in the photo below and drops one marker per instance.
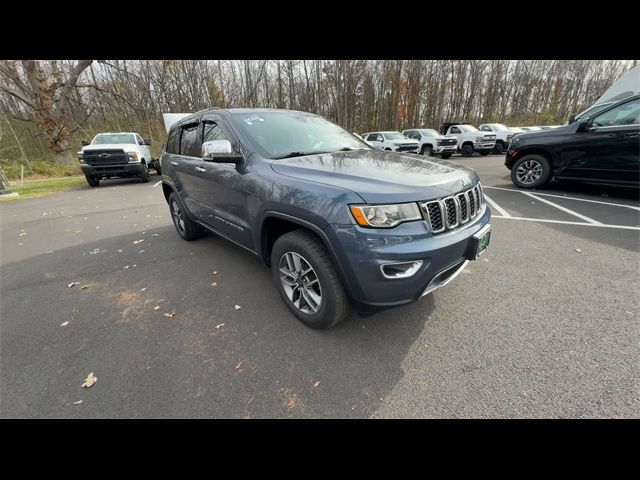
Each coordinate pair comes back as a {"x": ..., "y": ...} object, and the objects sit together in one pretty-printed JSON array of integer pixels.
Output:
[
  {"x": 583, "y": 126},
  {"x": 147, "y": 141},
  {"x": 220, "y": 151},
  {"x": 84, "y": 143}
]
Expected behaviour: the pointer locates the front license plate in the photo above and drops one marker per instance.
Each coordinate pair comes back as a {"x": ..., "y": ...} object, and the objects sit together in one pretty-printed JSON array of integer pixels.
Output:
[{"x": 480, "y": 242}]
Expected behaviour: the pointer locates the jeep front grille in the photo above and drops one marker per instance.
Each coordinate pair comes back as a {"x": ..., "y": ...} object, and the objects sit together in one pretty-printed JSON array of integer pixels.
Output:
[{"x": 450, "y": 212}]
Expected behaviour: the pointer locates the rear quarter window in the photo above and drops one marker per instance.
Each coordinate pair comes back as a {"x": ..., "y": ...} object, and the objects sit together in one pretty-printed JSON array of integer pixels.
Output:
[{"x": 173, "y": 142}]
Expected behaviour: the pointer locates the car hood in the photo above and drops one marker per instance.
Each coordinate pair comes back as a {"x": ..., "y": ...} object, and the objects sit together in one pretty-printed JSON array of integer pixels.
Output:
[
  {"x": 446, "y": 137},
  {"x": 108, "y": 146},
  {"x": 381, "y": 176}
]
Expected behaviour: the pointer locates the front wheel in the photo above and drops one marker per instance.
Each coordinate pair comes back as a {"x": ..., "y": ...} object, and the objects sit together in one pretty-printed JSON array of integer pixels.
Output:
[
  {"x": 427, "y": 151},
  {"x": 484, "y": 153},
  {"x": 531, "y": 171},
  {"x": 307, "y": 280},
  {"x": 144, "y": 173},
  {"x": 92, "y": 180},
  {"x": 498, "y": 149},
  {"x": 467, "y": 151}
]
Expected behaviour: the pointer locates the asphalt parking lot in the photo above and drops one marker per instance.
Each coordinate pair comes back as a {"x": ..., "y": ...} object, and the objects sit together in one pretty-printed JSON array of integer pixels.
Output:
[{"x": 545, "y": 324}]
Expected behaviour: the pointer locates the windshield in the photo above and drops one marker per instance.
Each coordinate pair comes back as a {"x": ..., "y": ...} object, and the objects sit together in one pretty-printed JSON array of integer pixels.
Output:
[
  {"x": 113, "y": 138},
  {"x": 429, "y": 132},
  {"x": 288, "y": 134},
  {"x": 517, "y": 129},
  {"x": 592, "y": 110},
  {"x": 394, "y": 136},
  {"x": 498, "y": 126},
  {"x": 468, "y": 128}
]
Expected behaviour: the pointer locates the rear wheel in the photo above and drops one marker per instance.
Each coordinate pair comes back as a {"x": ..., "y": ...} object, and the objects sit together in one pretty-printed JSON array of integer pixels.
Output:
[
  {"x": 531, "y": 171},
  {"x": 92, "y": 180},
  {"x": 467, "y": 150},
  {"x": 498, "y": 149},
  {"x": 307, "y": 280},
  {"x": 187, "y": 229},
  {"x": 427, "y": 150}
]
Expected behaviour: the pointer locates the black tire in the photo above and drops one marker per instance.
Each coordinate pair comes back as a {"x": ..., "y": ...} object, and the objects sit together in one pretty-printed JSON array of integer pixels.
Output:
[
  {"x": 427, "y": 150},
  {"x": 467, "y": 150},
  {"x": 334, "y": 305},
  {"x": 529, "y": 166},
  {"x": 144, "y": 173},
  {"x": 157, "y": 168},
  {"x": 484, "y": 153},
  {"x": 387, "y": 149},
  {"x": 187, "y": 229},
  {"x": 499, "y": 148},
  {"x": 93, "y": 180},
  {"x": 446, "y": 155}
]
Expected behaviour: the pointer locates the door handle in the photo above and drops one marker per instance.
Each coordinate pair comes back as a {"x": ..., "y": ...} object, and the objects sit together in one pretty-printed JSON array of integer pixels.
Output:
[
  {"x": 175, "y": 164},
  {"x": 200, "y": 169}
]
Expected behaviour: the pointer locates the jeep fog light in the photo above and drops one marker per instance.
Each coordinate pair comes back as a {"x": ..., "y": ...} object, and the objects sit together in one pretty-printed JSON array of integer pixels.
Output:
[{"x": 400, "y": 270}]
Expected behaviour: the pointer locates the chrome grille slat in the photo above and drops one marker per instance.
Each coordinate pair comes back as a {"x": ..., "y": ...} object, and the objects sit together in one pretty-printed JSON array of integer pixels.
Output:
[{"x": 448, "y": 213}]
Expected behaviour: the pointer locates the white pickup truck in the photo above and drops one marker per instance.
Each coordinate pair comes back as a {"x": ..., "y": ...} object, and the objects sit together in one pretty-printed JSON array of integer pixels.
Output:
[
  {"x": 470, "y": 139},
  {"x": 503, "y": 135},
  {"x": 393, "y": 141},
  {"x": 122, "y": 154},
  {"x": 432, "y": 143}
]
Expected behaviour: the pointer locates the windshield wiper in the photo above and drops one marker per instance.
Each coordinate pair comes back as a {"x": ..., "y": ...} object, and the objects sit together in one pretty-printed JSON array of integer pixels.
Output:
[{"x": 291, "y": 155}]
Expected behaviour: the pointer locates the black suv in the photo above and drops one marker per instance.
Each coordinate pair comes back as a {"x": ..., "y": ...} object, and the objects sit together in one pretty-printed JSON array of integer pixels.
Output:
[
  {"x": 339, "y": 223},
  {"x": 601, "y": 148}
]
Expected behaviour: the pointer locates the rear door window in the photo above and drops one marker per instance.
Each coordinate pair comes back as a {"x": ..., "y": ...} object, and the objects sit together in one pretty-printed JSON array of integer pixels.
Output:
[{"x": 191, "y": 140}]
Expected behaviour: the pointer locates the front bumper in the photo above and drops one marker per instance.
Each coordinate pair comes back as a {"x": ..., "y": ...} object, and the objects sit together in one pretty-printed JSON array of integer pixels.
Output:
[
  {"x": 484, "y": 146},
  {"x": 445, "y": 149},
  {"x": 363, "y": 251},
  {"x": 122, "y": 170}
]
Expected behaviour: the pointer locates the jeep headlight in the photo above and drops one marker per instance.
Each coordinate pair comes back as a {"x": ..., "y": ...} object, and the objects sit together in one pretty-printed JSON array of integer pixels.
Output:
[
  {"x": 385, "y": 216},
  {"x": 133, "y": 156}
]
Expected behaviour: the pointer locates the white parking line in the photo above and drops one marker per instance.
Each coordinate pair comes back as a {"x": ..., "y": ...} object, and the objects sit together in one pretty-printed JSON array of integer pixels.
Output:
[
  {"x": 156, "y": 184},
  {"x": 560, "y": 207},
  {"x": 563, "y": 222},
  {"x": 567, "y": 198},
  {"x": 500, "y": 210}
]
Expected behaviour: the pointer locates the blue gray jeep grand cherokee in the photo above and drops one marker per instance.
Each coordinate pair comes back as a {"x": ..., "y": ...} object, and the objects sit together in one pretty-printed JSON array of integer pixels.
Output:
[{"x": 339, "y": 223}]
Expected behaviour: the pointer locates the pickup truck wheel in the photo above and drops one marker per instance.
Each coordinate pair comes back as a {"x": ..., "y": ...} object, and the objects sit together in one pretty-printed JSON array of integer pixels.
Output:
[
  {"x": 484, "y": 153},
  {"x": 307, "y": 280},
  {"x": 427, "y": 151},
  {"x": 498, "y": 149},
  {"x": 187, "y": 229},
  {"x": 531, "y": 171},
  {"x": 446, "y": 155},
  {"x": 157, "y": 168},
  {"x": 92, "y": 180},
  {"x": 467, "y": 151},
  {"x": 144, "y": 173}
]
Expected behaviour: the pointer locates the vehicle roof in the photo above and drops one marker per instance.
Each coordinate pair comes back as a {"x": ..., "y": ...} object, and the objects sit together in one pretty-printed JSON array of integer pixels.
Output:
[
  {"x": 117, "y": 133},
  {"x": 233, "y": 111}
]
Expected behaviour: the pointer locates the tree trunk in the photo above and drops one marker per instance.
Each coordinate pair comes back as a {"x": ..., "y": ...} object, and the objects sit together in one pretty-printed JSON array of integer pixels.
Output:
[{"x": 64, "y": 158}]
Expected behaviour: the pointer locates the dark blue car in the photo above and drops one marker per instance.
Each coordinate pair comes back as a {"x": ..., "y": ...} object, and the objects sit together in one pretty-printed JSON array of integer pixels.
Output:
[{"x": 339, "y": 223}]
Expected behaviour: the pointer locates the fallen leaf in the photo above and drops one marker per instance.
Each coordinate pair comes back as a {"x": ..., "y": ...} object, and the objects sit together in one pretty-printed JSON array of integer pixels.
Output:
[
  {"x": 237, "y": 307},
  {"x": 239, "y": 365},
  {"x": 84, "y": 287},
  {"x": 143, "y": 289},
  {"x": 22, "y": 234},
  {"x": 214, "y": 284},
  {"x": 219, "y": 326},
  {"x": 578, "y": 250},
  {"x": 215, "y": 272},
  {"x": 317, "y": 383},
  {"x": 89, "y": 381},
  {"x": 44, "y": 214},
  {"x": 135, "y": 242},
  {"x": 64, "y": 324},
  {"x": 77, "y": 231},
  {"x": 126, "y": 266},
  {"x": 119, "y": 251},
  {"x": 77, "y": 402},
  {"x": 73, "y": 284},
  {"x": 154, "y": 235},
  {"x": 157, "y": 307},
  {"x": 169, "y": 314},
  {"x": 97, "y": 227}
]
